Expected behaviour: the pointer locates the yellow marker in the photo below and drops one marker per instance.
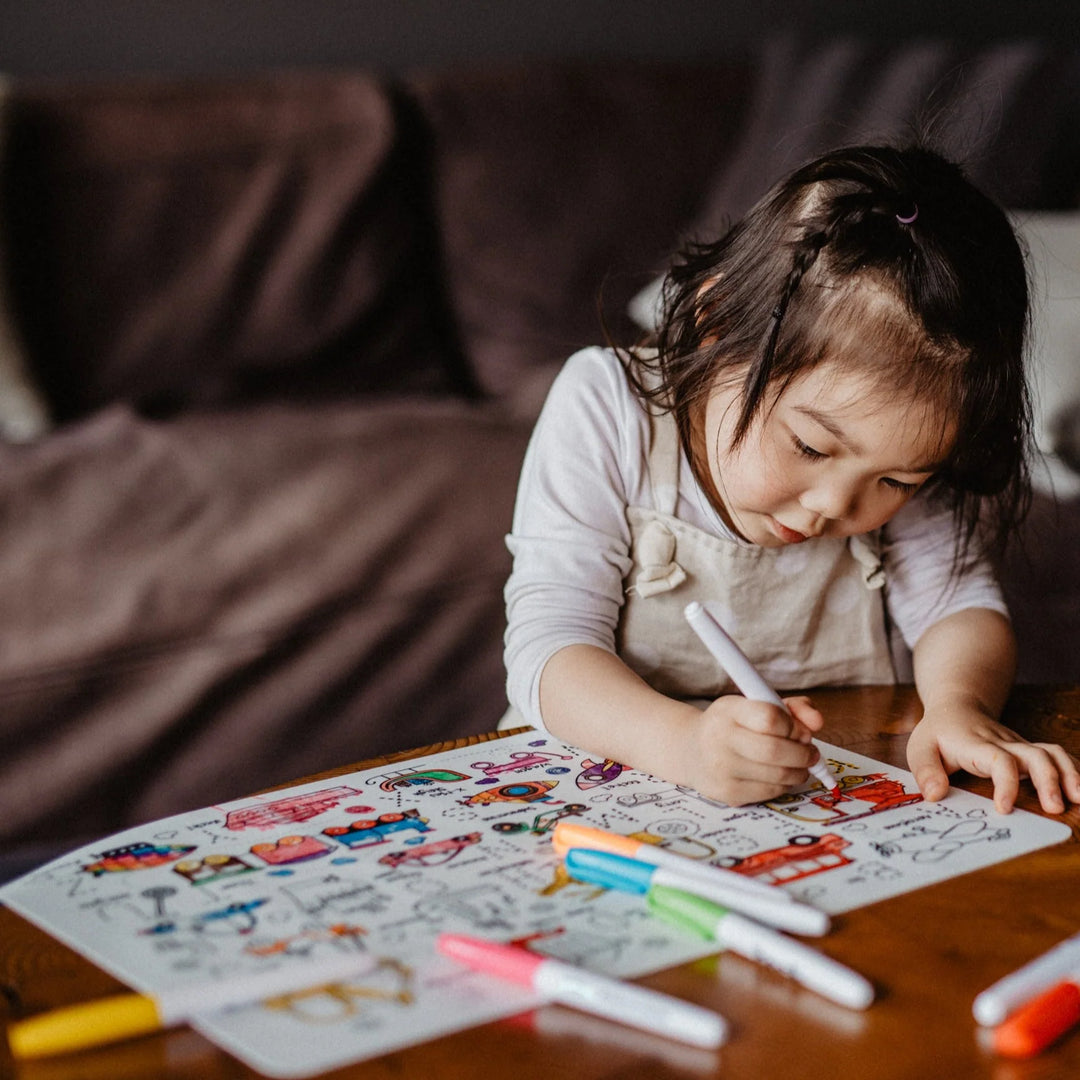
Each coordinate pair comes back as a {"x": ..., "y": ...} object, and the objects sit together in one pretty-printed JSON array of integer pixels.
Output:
[
  {"x": 124, "y": 1016},
  {"x": 91, "y": 1023}
]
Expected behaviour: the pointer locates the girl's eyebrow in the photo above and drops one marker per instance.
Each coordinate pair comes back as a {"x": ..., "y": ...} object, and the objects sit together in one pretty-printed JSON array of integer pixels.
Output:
[
  {"x": 845, "y": 440},
  {"x": 831, "y": 427}
]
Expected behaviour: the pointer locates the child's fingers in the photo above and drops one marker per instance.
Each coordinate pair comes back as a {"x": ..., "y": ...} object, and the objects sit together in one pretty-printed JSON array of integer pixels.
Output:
[
  {"x": 1004, "y": 771},
  {"x": 810, "y": 720},
  {"x": 1068, "y": 770},
  {"x": 766, "y": 719},
  {"x": 1052, "y": 770},
  {"x": 929, "y": 771}
]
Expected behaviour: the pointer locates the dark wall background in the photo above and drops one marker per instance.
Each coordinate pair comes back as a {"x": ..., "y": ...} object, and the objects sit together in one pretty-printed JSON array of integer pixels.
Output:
[{"x": 92, "y": 38}]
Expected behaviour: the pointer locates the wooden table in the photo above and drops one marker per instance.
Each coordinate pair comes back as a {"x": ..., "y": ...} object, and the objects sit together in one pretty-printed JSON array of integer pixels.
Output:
[{"x": 928, "y": 951}]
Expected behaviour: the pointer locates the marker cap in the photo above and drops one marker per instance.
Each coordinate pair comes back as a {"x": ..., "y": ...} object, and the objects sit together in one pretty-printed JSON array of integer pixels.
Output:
[
  {"x": 608, "y": 870},
  {"x": 90, "y": 1023},
  {"x": 569, "y": 834},
  {"x": 1040, "y": 1022},
  {"x": 509, "y": 962},
  {"x": 689, "y": 912}
]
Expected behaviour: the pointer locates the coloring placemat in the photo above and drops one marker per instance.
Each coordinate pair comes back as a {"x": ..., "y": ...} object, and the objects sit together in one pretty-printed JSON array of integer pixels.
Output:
[{"x": 380, "y": 861}]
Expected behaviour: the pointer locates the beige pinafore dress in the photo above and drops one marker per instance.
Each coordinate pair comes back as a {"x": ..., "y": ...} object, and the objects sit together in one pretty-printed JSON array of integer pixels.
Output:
[
  {"x": 806, "y": 615},
  {"x": 809, "y": 614}
]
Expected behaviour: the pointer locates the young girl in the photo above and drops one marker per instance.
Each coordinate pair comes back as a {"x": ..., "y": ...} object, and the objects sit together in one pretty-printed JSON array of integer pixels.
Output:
[{"x": 834, "y": 407}]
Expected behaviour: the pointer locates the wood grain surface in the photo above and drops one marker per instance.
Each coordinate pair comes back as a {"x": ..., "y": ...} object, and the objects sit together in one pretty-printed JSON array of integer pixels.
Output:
[{"x": 928, "y": 952}]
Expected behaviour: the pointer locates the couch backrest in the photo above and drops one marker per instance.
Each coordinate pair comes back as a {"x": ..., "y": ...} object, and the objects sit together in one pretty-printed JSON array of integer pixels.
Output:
[{"x": 178, "y": 245}]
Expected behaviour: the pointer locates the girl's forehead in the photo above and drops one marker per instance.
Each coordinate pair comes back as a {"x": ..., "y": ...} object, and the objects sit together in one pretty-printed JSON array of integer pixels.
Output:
[
  {"x": 853, "y": 401},
  {"x": 837, "y": 387}
]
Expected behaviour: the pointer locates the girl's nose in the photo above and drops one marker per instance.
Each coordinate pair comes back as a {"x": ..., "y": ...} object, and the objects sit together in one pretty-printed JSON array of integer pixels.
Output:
[{"x": 831, "y": 500}]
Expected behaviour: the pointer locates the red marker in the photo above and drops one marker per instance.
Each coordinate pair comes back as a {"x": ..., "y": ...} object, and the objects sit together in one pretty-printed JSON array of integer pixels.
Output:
[{"x": 1042, "y": 1020}]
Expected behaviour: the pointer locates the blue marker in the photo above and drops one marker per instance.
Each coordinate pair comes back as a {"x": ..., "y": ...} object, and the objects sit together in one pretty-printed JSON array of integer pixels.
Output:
[{"x": 632, "y": 875}]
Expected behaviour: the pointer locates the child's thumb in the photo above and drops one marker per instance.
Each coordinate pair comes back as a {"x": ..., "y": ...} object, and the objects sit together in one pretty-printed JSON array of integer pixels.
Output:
[{"x": 926, "y": 766}]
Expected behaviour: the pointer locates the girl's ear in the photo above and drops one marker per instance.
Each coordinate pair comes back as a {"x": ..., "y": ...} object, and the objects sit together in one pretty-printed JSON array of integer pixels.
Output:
[{"x": 708, "y": 287}]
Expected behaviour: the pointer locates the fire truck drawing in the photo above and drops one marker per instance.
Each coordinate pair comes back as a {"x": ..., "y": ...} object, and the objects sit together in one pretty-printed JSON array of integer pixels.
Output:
[
  {"x": 859, "y": 796},
  {"x": 290, "y": 849},
  {"x": 522, "y": 791},
  {"x": 138, "y": 856},
  {"x": 520, "y": 761},
  {"x": 800, "y": 857},
  {"x": 289, "y": 811},
  {"x": 433, "y": 854},
  {"x": 368, "y": 832}
]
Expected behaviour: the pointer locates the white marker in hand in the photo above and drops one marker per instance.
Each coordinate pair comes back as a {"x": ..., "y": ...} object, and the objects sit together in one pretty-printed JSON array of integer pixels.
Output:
[{"x": 744, "y": 675}]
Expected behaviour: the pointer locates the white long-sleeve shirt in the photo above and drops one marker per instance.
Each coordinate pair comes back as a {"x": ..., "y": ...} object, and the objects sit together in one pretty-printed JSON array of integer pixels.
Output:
[{"x": 587, "y": 462}]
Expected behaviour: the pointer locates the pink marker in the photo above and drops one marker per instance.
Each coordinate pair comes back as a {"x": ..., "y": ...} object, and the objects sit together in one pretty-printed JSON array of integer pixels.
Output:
[{"x": 599, "y": 994}]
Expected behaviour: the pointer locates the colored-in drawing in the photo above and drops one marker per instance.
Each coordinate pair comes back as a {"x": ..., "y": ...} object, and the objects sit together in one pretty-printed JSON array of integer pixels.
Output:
[
  {"x": 520, "y": 761},
  {"x": 212, "y": 868},
  {"x": 288, "y": 811},
  {"x": 478, "y": 859},
  {"x": 302, "y": 943},
  {"x": 523, "y": 791},
  {"x": 799, "y": 858},
  {"x": 290, "y": 849},
  {"x": 595, "y": 773},
  {"x": 433, "y": 854},
  {"x": 560, "y": 879},
  {"x": 417, "y": 777},
  {"x": 859, "y": 796},
  {"x": 543, "y": 822},
  {"x": 391, "y": 981},
  {"x": 136, "y": 857},
  {"x": 368, "y": 832},
  {"x": 237, "y": 918}
]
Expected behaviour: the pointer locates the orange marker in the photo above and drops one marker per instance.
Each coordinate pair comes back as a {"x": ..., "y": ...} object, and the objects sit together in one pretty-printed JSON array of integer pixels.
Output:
[
  {"x": 570, "y": 834},
  {"x": 1042, "y": 1020}
]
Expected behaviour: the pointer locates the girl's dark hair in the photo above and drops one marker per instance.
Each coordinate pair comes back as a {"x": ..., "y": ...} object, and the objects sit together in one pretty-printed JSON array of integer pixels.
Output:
[{"x": 886, "y": 260}]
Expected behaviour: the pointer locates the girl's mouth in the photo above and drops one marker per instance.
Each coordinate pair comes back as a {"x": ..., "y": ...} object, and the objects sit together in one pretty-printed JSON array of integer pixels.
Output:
[{"x": 789, "y": 536}]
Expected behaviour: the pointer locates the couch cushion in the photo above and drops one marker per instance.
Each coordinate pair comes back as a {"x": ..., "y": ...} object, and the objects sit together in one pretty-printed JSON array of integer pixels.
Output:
[
  {"x": 199, "y": 608},
  {"x": 559, "y": 182},
  {"x": 178, "y": 244}
]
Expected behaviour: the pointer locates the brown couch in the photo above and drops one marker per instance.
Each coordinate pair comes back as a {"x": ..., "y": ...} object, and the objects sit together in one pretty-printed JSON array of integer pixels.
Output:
[{"x": 293, "y": 331}]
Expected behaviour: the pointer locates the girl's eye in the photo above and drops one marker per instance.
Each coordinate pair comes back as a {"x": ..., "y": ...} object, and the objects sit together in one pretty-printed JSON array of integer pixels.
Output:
[
  {"x": 900, "y": 485},
  {"x": 807, "y": 451}
]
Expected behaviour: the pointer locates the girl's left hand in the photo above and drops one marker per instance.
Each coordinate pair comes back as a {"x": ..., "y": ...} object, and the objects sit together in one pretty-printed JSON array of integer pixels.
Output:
[{"x": 966, "y": 738}]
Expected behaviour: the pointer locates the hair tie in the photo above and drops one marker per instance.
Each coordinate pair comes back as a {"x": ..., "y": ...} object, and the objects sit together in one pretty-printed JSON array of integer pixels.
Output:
[{"x": 909, "y": 219}]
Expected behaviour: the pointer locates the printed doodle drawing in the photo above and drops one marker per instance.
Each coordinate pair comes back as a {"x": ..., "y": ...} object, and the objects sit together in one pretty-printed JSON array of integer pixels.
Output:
[{"x": 377, "y": 862}]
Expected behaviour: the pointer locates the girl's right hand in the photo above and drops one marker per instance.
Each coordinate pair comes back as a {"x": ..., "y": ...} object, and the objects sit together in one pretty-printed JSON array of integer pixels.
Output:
[{"x": 751, "y": 751}]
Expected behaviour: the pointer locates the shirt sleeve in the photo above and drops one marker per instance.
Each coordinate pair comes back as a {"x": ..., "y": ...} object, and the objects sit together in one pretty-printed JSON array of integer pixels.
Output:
[
  {"x": 570, "y": 539},
  {"x": 921, "y": 586}
]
